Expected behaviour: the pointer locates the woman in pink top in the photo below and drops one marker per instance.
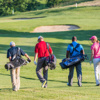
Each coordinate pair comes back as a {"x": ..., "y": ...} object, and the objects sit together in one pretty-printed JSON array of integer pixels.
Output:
[{"x": 95, "y": 54}]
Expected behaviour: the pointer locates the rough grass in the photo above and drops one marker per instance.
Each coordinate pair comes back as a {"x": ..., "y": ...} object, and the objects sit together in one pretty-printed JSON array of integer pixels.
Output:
[{"x": 19, "y": 31}]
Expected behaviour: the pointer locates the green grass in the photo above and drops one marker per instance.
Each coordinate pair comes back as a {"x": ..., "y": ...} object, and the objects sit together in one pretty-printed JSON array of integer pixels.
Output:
[{"x": 87, "y": 18}]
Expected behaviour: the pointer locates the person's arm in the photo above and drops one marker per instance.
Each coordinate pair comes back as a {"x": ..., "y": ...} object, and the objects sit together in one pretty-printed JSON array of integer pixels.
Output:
[
  {"x": 67, "y": 54},
  {"x": 8, "y": 55},
  {"x": 50, "y": 49},
  {"x": 68, "y": 51},
  {"x": 9, "y": 58},
  {"x": 35, "y": 57},
  {"x": 92, "y": 55},
  {"x": 82, "y": 51},
  {"x": 27, "y": 56}
]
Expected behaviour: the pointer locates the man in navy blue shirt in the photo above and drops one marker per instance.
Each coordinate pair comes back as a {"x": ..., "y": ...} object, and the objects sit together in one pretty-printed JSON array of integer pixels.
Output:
[
  {"x": 15, "y": 73},
  {"x": 74, "y": 49}
]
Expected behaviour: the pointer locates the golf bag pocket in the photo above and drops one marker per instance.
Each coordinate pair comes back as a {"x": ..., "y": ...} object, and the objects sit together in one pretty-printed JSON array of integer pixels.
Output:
[{"x": 50, "y": 61}]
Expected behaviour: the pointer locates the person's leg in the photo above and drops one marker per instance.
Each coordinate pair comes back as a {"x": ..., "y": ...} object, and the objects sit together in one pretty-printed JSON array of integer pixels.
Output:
[
  {"x": 70, "y": 76},
  {"x": 45, "y": 74},
  {"x": 13, "y": 79},
  {"x": 99, "y": 71},
  {"x": 96, "y": 67},
  {"x": 39, "y": 70},
  {"x": 79, "y": 74},
  {"x": 18, "y": 77}
]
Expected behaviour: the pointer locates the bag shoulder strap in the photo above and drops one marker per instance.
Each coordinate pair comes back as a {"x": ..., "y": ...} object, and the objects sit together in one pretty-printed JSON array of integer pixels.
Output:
[
  {"x": 48, "y": 46},
  {"x": 74, "y": 48},
  {"x": 18, "y": 49},
  {"x": 17, "y": 54}
]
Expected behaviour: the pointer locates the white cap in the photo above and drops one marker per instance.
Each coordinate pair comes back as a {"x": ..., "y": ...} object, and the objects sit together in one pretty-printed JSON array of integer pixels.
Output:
[
  {"x": 12, "y": 43},
  {"x": 40, "y": 37}
]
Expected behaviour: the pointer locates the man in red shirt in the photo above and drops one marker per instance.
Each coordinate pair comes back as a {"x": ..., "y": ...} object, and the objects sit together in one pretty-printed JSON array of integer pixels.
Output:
[{"x": 42, "y": 52}]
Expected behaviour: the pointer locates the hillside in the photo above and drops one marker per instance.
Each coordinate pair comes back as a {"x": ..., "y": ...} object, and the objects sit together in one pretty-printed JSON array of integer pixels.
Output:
[{"x": 88, "y": 3}]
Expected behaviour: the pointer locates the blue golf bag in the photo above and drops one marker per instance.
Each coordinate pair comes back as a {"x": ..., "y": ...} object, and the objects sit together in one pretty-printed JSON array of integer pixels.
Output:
[{"x": 68, "y": 62}]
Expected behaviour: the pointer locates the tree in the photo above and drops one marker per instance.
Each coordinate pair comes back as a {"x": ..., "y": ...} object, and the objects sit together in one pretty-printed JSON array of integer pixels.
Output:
[
  {"x": 52, "y": 3},
  {"x": 6, "y": 7}
]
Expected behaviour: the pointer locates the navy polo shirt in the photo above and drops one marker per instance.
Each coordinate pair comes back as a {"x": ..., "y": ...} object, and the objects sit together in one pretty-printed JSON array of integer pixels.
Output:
[
  {"x": 70, "y": 48},
  {"x": 13, "y": 50}
]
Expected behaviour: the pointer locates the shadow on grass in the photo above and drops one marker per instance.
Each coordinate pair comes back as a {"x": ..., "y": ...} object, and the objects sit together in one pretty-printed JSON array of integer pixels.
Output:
[
  {"x": 59, "y": 48},
  {"x": 20, "y": 77},
  {"x": 73, "y": 82},
  {"x": 28, "y": 18},
  {"x": 28, "y": 78}
]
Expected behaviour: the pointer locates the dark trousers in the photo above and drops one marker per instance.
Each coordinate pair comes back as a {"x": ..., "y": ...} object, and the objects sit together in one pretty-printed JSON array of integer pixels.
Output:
[
  {"x": 79, "y": 74},
  {"x": 41, "y": 65}
]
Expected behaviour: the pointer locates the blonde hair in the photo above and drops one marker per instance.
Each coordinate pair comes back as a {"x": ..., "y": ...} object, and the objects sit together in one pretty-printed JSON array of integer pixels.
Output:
[{"x": 97, "y": 41}]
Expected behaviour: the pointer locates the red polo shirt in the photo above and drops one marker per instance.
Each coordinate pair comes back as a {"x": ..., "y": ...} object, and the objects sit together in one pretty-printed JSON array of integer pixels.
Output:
[{"x": 41, "y": 49}]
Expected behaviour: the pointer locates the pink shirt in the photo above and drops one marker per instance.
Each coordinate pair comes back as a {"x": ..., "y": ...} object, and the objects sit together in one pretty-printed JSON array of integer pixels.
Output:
[{"x": 96, "y": 48}]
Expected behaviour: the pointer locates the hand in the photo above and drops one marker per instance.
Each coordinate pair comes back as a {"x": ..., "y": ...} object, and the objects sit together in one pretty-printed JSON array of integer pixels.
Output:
[
  {"x": 35, "y": 63},
  {"x": 90, "y": 62},
  {"x": 29, "y": 60}
]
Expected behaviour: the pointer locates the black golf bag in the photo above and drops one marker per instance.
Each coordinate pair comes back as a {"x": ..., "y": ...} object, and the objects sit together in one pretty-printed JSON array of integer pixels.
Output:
[{"x": 51, "y": 59}]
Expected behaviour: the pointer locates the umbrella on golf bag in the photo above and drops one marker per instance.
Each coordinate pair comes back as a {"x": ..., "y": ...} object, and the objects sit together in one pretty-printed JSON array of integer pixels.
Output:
[{"x": 68, "y": 62}]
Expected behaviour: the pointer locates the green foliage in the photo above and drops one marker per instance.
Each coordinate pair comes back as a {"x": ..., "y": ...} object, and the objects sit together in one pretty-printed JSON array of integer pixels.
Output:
[
  {"x": 20, "y": 5},
  {"x": 52, "y": 3},
  {"x": 32, "y": 4},
  {"x": 6, "y": 6}
]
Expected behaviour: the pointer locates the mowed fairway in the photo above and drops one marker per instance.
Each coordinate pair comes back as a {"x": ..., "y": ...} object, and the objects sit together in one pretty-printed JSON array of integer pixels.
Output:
[{"x": 87, "y": 18}]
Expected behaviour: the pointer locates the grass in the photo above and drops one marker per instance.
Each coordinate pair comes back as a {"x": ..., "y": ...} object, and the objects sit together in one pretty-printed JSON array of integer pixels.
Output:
[{"x": 88, "y": 18}]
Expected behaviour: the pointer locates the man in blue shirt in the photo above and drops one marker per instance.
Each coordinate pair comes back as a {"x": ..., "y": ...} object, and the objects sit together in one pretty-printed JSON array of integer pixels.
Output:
[
  {"x": 74, "y": 49},
  {"x": 15, "y": 73}
]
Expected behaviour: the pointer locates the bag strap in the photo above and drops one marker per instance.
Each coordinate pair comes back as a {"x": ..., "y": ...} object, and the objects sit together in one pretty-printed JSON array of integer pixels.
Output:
[
  {"x": 74, "y": 48},
  {"x": 17, "y": 54},
  {"x": 48, "y": 47}
]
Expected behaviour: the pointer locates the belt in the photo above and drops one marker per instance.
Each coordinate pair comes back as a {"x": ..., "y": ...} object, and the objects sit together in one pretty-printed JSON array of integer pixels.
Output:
[{"x": 41, "y": 57}]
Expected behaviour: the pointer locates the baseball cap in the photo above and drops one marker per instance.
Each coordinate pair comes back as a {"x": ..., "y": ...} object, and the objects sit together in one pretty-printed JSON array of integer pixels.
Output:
[
  {"x": 40, "y": 37},
  {"x": 93, "y": 37},
  {"x": 12, "y": 43}
]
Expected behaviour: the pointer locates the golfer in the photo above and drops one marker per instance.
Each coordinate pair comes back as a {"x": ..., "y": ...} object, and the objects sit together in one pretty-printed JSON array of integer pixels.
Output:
[
  {"x": 42, "y": 52},
  {"x": 74, "y": 49},
  {"x": 15, "y": 73},
  {"x": 95, "y": 55}
]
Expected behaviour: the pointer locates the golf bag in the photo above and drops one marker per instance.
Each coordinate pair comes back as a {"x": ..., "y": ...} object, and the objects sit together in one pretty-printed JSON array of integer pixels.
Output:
[
  {"x": 68, "y": 62},
  {"x": 50, "y": 60},
  {"x": 16, "y": 62}
]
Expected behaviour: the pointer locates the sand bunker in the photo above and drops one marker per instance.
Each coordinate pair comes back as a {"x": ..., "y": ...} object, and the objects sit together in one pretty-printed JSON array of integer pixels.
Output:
[{"x": 55, "y": 28}]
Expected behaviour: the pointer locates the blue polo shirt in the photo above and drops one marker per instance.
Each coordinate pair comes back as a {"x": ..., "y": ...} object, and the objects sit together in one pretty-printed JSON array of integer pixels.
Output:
[
  {"x": 75, "y": 53},
  {"x": 13, "y": 50}
]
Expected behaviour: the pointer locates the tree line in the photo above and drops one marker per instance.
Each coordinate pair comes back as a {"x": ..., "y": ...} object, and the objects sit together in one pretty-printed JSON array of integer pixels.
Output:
[{"x": 10, "y": 6}]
